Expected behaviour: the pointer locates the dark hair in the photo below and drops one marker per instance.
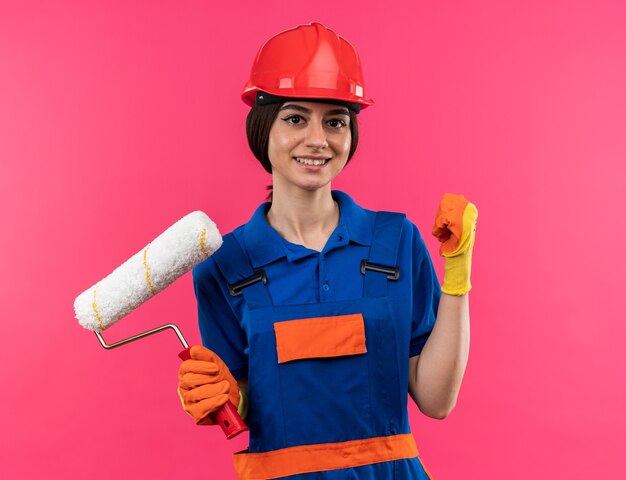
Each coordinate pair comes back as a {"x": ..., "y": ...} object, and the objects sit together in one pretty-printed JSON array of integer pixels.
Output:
[{"x": 259, "y": 123}]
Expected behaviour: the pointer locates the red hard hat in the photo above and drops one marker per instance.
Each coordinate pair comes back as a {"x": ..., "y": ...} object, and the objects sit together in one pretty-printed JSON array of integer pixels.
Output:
[{"x": 308, "y": 61}]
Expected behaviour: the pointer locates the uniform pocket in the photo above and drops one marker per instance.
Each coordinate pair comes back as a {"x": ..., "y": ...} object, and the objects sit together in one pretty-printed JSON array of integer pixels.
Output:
[
  {"x": 324, "y": 378},
  {"x": 320, "y": 337}
]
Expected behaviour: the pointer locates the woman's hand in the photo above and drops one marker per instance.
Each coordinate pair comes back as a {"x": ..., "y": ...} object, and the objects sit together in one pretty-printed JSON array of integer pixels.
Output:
[
  {"x": 205, "y": 384},
  {"x": 455, "y": 228}
]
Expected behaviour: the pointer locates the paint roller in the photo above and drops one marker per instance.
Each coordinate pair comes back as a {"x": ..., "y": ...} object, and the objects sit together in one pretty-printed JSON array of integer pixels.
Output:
[{"x": 181, "y": 247}]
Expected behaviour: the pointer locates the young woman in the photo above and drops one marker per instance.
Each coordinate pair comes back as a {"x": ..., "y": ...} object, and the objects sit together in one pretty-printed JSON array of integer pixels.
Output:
[{"x": 317, "y": 316}]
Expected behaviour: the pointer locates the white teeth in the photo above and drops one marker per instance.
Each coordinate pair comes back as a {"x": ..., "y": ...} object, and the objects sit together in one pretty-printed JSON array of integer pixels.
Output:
[{"x": 310, "y": 161}]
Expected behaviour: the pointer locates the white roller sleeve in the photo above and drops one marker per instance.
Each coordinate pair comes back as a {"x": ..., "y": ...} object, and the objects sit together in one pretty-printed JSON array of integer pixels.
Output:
[{"x": 172, "y": 254}]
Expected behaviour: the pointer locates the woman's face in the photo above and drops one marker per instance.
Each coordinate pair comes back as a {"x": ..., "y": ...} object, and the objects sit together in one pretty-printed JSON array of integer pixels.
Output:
[{"x": 309, "y": 143}]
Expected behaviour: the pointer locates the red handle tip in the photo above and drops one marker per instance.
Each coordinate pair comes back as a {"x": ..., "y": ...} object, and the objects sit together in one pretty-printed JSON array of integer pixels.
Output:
[
  {"x": 185, "y": 354},
  {"x": 230, "y": 421}
]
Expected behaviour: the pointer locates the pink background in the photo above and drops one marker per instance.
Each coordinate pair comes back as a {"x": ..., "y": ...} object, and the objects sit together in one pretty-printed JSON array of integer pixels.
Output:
[{"x": 118, "y": 118}]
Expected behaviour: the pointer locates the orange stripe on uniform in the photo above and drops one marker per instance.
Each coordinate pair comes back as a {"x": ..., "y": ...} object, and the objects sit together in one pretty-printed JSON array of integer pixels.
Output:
[
  {"x": 320, "y": 337},
  {"x": 323, "y": 457}
]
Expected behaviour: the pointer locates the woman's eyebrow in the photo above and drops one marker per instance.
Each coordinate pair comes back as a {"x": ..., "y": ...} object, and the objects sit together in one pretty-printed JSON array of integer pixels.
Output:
[
  {"x": 289, "y": 106},
  {"x": 338, "y": 111}
]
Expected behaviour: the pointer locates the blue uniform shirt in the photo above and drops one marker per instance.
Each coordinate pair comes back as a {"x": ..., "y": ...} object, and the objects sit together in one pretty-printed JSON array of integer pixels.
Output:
[{"x": 298, "y": 275}]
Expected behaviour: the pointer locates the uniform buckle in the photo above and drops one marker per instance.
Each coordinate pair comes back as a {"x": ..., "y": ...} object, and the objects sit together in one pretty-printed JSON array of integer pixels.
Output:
[
  {"x": 236, "y": 288},
  {"x": 393, "y": 273}
]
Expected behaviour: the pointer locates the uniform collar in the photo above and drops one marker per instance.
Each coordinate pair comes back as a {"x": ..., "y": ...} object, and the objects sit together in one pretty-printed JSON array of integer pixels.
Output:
[
  {"x": 264, "y": 245},
  {"x": 354, "y": 219}
]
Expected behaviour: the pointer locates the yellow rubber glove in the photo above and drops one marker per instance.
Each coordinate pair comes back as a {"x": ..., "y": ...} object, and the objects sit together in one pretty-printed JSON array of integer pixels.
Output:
[
  {"x": 205, "y": 384},
  {"x": 455, "y": 228}
]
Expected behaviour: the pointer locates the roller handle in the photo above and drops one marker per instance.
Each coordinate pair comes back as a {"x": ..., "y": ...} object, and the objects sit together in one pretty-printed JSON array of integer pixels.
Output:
[{"x": 227, "y": 416}]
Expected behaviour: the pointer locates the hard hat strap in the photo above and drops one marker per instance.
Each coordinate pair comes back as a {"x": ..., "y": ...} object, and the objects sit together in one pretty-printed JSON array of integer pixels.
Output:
[{"x": 264, "y": 98}]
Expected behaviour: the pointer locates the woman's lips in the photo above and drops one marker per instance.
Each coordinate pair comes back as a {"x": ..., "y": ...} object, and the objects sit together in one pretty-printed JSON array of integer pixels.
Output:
[{"x": 311, "y": 161}]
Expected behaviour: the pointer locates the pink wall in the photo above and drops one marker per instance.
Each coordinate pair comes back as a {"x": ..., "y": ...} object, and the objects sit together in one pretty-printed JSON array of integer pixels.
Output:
[{"x": 117, "y": 118}]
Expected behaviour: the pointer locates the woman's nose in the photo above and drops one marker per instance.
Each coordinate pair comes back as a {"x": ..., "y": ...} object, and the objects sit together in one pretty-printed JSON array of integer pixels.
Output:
[{"x": 316, "y": 135}]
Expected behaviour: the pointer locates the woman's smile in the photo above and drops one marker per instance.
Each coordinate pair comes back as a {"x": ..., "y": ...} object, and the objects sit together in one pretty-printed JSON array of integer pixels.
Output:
[{"x": 312, "y": 161}]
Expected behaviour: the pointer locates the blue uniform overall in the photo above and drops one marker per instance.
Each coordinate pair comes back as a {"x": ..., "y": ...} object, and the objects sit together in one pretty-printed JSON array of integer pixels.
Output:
[{"x": 328, "y": 379}]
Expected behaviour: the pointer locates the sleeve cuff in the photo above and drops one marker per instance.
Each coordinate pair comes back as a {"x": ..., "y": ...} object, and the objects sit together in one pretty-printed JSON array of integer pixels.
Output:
[{"x": 417, "y": 345}]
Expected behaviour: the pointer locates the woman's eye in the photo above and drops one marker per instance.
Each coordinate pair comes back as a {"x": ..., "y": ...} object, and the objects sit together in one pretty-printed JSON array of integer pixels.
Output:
[
  {"x": 293, "y": 119},
  {"x": 336, "y": 123}
]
